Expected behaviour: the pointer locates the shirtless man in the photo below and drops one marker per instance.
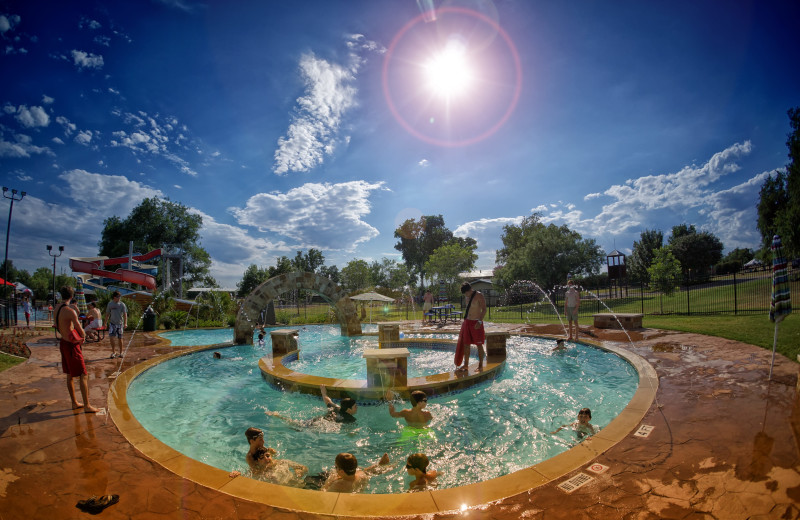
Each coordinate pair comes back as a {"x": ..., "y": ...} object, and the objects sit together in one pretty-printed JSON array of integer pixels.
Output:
[
  {"x": 348, "y": 478},
  {"x": 427, "y": 304},
  {"x": 417, "y": 416},
  {"x": 71, "y": 354},
  {"x": 96, "y": 321},
  {"x": 472, "y": 332}
]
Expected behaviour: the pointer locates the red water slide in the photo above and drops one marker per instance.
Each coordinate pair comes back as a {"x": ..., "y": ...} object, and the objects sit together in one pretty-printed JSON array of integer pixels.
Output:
[{"x": 123, "y": 275}]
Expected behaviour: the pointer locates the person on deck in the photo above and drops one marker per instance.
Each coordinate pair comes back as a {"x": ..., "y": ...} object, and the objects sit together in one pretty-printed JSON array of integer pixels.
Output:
[{"x": 472, "y": 332}]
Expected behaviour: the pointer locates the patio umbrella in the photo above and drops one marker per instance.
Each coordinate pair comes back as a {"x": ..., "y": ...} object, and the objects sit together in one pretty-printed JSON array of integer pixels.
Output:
[
  {"x": 781, "y": 303},
  {"x": 371, "y": 297},
  {"x": 3, "y": 282}
]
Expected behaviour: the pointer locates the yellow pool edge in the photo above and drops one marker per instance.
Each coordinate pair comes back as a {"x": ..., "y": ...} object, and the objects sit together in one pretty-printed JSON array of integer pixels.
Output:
[{"x": 424, "y": 502}]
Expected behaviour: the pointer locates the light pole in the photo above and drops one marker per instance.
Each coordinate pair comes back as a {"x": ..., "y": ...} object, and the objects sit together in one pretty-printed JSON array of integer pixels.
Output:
[
  {"x": 50, "y": 252},
  {"x": 13, "y": 197}
]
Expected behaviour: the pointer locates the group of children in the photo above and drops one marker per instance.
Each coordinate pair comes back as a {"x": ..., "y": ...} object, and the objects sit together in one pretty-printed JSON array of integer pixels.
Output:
[{"x": 346, "y": 476}]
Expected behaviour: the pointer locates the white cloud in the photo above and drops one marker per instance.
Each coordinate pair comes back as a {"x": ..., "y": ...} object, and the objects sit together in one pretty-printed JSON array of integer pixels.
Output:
[
  {"x": 69, "y": 128},
  {"x": 23, "y": 147},
  {"x": 106, "y": 194},
  {"x": 151, "y": 136},
  {"x": 84, "y": 137},
  {"x": 32, "y": 117},
  {"x": 47, "y": 100},
  {"x": 8, "y": 22},
  {"x": 85, "y": 60},
  {"x": 424, "y": 163},
  {"x": 487, "y": 232},
  {"x": 323, "y": 216},
  {"x": 329, "y": 93}
]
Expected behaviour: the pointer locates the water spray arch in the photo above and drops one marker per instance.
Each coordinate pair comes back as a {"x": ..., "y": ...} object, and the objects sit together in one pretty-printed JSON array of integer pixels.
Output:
[{"x": 272, "y": 288}]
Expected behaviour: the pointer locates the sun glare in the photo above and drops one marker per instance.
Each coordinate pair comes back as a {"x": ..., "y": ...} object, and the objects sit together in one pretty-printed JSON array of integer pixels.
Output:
[{"x": 448, "y": 73}]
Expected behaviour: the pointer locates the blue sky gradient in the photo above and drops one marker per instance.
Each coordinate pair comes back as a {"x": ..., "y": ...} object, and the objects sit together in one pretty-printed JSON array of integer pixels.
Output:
[{"x": 291, "y": 125}]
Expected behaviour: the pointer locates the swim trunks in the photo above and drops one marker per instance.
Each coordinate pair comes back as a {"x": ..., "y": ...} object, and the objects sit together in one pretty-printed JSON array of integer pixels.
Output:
[
  {"x": 469, "y": 335},
  {"x": 114, "y": 330},
  {"x": 72, "y": 358},
  {"x": 572, "y": 313}
]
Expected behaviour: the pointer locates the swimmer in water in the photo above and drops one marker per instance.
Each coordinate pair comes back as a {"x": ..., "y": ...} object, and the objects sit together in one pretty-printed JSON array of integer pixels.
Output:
[
  {"x": 417, "y": 467},
  {"x": 417, "y": 416},
  {"x": 560, "y": 345},
  {"x": 348, "y": 478},
  {"x": 582, "y": 426},
  {"x": 264, "y": 466}
]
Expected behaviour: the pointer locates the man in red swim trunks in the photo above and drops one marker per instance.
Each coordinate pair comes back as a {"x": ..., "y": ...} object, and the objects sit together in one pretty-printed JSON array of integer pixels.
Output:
[
  {"x": 472, "y": 332},
  {"x": 71, "y": 353}
]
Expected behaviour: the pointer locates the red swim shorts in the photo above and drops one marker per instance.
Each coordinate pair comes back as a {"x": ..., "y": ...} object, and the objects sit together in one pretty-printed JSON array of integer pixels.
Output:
[
  {"x": 72, "y": 358},
  {"x": 471, "y": 335}
]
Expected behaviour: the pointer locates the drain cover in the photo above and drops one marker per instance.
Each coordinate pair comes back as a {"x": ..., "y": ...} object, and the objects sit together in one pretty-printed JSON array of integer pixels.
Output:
[{"x": 570, "y": 485}]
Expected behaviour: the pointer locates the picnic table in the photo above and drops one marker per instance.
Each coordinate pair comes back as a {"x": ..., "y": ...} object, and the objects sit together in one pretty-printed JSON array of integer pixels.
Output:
[{"x": 441, "y": 313}]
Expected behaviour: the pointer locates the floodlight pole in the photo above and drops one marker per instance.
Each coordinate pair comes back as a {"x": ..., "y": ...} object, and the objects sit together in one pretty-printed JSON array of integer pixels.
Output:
[
  {"x": 50, "y": 252},
  {"x": 13, "y": 197}
]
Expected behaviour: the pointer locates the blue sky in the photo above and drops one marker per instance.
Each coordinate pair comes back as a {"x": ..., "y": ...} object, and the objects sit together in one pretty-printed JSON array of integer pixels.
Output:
[{"x": 291, "y": 125}]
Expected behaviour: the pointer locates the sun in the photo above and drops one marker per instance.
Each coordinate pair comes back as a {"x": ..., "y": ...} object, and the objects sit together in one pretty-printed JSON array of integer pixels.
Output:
[{"x": 448, "y": 73}]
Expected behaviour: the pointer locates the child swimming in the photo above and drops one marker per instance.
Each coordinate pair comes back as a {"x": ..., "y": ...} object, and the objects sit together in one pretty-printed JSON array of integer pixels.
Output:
[{"x": 582, "y": 426}]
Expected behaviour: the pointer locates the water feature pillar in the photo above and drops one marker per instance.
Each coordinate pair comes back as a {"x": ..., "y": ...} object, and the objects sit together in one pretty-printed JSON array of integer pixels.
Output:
[
  {"x": 388, "y": 333},
  {"x": 496, "y": 346},
  {"x": 283, "y": 341},
  {"x": 387, "y": 367}
]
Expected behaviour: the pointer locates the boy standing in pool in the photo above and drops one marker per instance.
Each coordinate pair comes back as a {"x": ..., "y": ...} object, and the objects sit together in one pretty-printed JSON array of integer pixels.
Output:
[
  {"x": 472, "y": 332},
  {"x": 348, "y": 478},
  {"x": 417, "y": 416}
]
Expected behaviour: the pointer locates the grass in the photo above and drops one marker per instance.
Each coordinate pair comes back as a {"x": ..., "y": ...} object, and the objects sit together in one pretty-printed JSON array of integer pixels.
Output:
[
  {"x": 7, "y": 361},
  {"x": 753, "y": 329}
]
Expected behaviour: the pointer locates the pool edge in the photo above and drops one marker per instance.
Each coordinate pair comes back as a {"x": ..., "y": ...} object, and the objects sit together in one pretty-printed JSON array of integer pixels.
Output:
[{"x": 427, "y": 502}]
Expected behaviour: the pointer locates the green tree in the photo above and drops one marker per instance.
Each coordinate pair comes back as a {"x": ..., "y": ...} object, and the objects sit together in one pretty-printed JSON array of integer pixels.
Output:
[
  {"x": 420, "y": 238},
  {"x": 309, "y": 262},
  {"x": 643, "y": 253},
  {"x": 665, "y": 273},
  {"x": 696, "y": 252},
  {"x": 447, "y": 262},
  {"x": 779, "y": 197},
  {"x": 547, "y": 255},
  {"x": 356, "y": 275},
  {"x": 332, "y": 273},
  {"x": 155, "y": 223},
  {"x": 253, "y": 277}
]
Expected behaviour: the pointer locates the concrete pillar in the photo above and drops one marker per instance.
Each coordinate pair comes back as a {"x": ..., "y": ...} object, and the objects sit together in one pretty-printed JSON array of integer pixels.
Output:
[
  {"x": 387, "y": 367},
  {"x": 283, "y": 341},
  {"x": 388, "y": 332},
  {"x": 496, "y": 346}
]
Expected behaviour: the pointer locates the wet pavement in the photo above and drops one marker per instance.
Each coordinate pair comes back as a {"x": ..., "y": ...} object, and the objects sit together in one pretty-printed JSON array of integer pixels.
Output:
[{"x": 724, "y": 444}]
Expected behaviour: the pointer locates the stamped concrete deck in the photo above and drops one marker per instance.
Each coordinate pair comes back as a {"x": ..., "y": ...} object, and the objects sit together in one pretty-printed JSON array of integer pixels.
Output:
[{"x": 725, "y": 444}]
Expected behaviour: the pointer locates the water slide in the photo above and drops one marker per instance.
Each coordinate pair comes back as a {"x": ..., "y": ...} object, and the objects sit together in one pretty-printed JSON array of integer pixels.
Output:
[{"x": 93, "y": 266}]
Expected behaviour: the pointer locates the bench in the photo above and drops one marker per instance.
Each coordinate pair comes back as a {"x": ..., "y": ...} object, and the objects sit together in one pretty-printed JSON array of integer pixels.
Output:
[
  {"x": 455, "y": 315},
  {"x": 607, "y": 320},
  {"x": 101, "y": 335}
]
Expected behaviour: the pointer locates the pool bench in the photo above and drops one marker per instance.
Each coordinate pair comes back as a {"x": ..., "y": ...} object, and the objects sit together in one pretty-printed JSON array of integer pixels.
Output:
[{"x": 607, "y": 320}]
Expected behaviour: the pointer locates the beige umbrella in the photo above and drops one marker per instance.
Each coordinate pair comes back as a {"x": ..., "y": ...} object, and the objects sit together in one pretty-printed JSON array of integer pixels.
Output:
[{"x": 371, "y": 297}]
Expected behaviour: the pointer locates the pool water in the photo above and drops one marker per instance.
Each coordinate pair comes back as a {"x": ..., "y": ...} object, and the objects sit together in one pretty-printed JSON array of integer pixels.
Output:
[{"x": 201, "y": 407}]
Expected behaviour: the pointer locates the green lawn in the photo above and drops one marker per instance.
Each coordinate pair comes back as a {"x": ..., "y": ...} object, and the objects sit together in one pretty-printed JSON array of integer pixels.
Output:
[{"x": 7, "y": 361}]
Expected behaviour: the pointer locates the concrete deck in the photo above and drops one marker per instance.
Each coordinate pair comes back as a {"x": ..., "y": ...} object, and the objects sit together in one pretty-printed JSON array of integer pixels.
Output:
[{"x": 725, "y": 445}]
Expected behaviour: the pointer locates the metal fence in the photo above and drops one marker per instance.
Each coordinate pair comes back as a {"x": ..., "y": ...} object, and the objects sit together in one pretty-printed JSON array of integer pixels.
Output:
[{"x": 734, "y": 294}]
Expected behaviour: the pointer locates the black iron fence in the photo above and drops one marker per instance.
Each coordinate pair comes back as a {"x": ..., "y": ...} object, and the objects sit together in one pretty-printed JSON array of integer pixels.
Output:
[{"x": 734, "y": 294}]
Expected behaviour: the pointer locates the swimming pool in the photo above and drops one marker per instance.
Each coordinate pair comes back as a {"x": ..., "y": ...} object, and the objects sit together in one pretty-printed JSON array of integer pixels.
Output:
[{"x": 493, "y": 429}]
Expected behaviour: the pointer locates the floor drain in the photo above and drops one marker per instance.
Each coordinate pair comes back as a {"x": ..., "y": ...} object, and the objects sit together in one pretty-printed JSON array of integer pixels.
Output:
[
  {"x": 643, "y": 431},
  {"x": 570, "y": 485}
]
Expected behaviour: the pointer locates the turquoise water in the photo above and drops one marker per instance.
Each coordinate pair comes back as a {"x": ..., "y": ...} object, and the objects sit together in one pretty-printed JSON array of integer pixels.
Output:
[{"x": 201, "y": 407}]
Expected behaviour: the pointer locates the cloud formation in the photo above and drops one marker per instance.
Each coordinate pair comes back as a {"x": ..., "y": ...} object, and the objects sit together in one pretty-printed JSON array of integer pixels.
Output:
[
  {"x": 155, "y": 135},
  {"x": 86, "y": 60},
  {"x": 330, "y": 92},
  {"x": 323, "y": 216},
  {"x": 32, "y": 117}
]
